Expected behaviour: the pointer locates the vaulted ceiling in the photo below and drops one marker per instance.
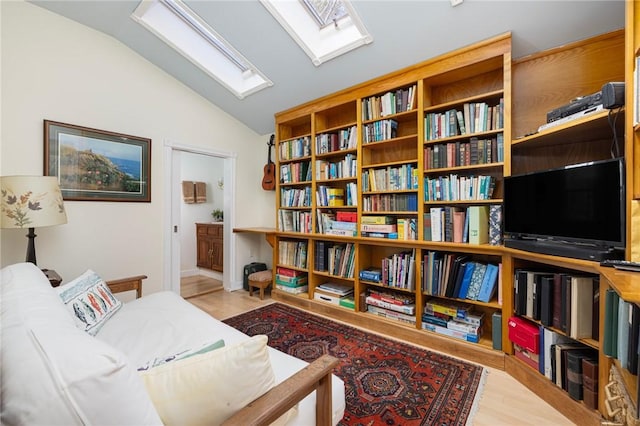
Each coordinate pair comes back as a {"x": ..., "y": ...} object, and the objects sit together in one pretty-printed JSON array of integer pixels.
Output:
[{"x": 404, "y": 33}]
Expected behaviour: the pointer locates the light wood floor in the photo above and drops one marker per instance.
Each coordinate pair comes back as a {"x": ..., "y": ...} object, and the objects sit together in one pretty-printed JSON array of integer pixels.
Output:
[
  {"x": 198, "y": 285},
  {"x": 504, "y": 400}
]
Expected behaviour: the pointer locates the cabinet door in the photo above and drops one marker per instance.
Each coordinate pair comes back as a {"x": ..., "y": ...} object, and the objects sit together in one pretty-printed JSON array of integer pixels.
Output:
[
  {"x": 204, "y": 252},
  {"x": 216, "y": 254}
]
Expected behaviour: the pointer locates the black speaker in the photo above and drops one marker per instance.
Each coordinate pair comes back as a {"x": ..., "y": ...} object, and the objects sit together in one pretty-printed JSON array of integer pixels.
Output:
[{"x": 613, "y": 94}]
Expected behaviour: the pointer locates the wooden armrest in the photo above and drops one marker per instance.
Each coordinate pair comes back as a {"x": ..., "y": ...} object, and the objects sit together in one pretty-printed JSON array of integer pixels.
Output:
[
  {"x": 273, "y": 404},
  {"x": 126, "y": 284}
]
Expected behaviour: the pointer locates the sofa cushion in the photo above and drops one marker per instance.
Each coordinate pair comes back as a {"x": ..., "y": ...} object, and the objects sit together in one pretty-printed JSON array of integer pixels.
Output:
[
  {"x": 207, "y": 347},
  {"x": 89, "y": 299},
  {"x": 210, "y": 387},
  {"x": 52, "y": 372}
]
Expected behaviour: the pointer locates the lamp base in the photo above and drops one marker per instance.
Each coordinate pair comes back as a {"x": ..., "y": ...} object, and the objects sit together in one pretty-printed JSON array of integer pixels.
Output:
[{"x": 31, "y": 246}]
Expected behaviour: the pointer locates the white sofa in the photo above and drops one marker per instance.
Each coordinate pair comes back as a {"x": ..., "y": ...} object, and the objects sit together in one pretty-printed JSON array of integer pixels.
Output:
[{"x": 54, "y": 373}]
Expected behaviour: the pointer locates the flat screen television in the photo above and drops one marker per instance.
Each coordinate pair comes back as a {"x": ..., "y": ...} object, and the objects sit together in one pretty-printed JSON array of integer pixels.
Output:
[{"x": 575, "y": 211}]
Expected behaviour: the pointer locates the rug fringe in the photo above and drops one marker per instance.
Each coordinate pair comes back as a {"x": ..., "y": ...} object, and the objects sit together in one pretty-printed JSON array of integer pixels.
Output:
[{"x": 475, "y": 406}]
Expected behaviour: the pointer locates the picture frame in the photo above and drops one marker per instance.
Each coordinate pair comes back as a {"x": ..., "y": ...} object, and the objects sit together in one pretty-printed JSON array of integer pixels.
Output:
[{"x": 97, "y": 165}]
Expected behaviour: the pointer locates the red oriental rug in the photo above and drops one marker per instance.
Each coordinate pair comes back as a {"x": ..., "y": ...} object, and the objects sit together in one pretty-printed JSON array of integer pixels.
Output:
[{"x": 386, "y": 382}]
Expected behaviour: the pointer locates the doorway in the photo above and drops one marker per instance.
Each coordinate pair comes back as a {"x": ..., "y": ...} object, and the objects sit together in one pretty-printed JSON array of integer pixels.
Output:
[{"x": 216, "y": 170}]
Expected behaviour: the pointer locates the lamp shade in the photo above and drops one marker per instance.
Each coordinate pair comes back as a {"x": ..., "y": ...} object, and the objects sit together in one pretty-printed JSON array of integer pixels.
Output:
[{"x": 31, "y": 202}]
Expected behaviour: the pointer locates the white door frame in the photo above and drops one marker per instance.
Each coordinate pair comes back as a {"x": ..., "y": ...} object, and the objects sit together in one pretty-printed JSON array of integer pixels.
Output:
[{"x": 172, "y": 225}]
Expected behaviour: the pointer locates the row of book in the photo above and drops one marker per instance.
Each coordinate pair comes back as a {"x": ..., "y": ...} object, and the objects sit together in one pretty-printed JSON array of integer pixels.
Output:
[
  {"x": 291, "y": 281},
  {"x": 473, "y": 224},
  {"x": 379, "y": 131},
  {"x": 458, "y": 188},
  {"x": 390, "y": 203},
  {"x": 453, "y": 319},
  {"x": 295, "y": 197},
  {"x": 295, "y": 148},
  {"x": 335, "y": 258},
  {"x": 391, "y": 305},
  {"x": 328, "y": 196},
  {"x": 458, "y": 276},
  {"x": 621, "y": 330},
  {"x": 392, "y": 102},
  {"x": 292, "y": 253},
  {"x": 344, "y": 168},
  {"x": 337, "y": 141},
  {"x": 567, "y": 302},
  {"x": 295, "y": 172},
  {"x": 294, "y": 221},
  {"x": 340, "y": 223},
  {"x": 455, "y": 154},
  {"x": 473, "y": 118},
  {"x": 390, "y": 178},
  {"x": 569, "y": 364}
]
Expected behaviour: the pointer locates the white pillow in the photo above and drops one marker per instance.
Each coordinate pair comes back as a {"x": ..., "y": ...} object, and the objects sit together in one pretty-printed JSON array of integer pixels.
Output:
[
  {"x": 90, "y": 300},
  {"x": 209, "y": 388}
]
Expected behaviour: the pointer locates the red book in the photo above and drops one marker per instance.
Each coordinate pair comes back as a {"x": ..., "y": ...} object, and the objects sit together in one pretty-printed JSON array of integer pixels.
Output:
[{"x": 288, "y": 272}]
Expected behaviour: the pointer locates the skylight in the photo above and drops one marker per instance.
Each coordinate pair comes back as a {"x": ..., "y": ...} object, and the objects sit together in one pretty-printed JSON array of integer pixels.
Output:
[
  {"x": 181, "y": 28},
  {"x": 324, "y": 29}
]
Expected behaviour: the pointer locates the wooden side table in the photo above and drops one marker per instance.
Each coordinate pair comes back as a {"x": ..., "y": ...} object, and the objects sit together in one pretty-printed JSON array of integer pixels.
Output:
[{"x": 53, "y": 277}]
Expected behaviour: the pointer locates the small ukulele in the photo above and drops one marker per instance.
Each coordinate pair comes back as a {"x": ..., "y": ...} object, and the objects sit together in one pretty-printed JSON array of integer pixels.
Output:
[{"x": 269, "y": 179}]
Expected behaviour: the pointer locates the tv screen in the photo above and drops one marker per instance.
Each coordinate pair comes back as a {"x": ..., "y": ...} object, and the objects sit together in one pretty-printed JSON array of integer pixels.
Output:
[{"x": 582, "y": 203}]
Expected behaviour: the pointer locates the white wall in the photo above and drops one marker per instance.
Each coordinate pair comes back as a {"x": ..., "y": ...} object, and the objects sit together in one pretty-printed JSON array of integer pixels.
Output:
[
  {"x": 202, "y": 168},
  {"x": 56, "y": 69}
]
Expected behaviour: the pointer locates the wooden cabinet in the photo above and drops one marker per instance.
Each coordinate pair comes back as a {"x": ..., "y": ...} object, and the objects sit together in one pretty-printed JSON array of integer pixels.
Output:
[{"x": 210, "y": 248}]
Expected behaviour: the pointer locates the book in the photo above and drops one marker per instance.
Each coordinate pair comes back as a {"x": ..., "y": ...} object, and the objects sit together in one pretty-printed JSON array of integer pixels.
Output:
[
  {"x": 377, "y": 220},
  {"x": 489, "y": 283},
  {"x": 581, "y": 307},
  {"x": 551, "y": 338},
  {"x": 623, "y": 332},
  {"x": 476, "y": 281},
  {"x": 546, "y": 300},
  {"x": 466, "y": 280},
  {"x": 478, "y": 224},
  {"x": 378, "y": 228},
  {"x": 574, "y": 371},
  {"x": 610, "y": 344},
  {"x": 495, "y": 224},
  {"x": 561, "y": 361},
  {"x": 371, "y": 273},
  {"x": 496, "y": 331},
  {"x": 633, "y": 325}
]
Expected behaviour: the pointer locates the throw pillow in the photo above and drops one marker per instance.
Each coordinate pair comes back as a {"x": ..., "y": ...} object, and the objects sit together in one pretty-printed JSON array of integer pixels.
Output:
[
  {"x": 207, "y": 347},
  {"x": 90, "y": 300},
  {"x": 209, "y": 388}
]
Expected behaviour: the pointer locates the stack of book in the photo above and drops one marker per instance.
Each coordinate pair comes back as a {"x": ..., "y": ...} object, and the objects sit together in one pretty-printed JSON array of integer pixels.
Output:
[
  {"x": 335, "y": 293},
  {"x": 341, "y": 223},
  {"x": 379, "y": 227},
  {"x": 453, "y": 319},
  {"x": 392, "y": 305},
  {"x": 291, "y": 281}
]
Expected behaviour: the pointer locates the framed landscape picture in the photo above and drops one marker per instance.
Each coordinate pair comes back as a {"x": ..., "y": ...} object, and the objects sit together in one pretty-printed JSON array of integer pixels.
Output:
[{"x": 97, "y": 165}]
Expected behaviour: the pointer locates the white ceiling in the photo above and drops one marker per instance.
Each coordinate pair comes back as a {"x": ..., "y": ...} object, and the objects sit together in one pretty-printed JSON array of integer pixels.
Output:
[{"x": 404, "y": 33}]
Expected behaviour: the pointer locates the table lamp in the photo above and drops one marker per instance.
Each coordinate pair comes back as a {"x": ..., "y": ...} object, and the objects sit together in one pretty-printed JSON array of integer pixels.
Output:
[{"x": 31, "y": 202}]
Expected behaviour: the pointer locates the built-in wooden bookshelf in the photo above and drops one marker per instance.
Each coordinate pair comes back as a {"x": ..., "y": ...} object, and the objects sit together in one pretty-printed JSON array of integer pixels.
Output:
[
  {"x": 380, "y": 127},
  {"x": 395, "y": 163}
]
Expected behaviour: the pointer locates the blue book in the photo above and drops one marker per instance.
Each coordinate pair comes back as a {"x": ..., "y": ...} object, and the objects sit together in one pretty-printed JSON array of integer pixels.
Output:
[
  {"x": 466, "y": 280},
  {"x": 488, "y": 287}
]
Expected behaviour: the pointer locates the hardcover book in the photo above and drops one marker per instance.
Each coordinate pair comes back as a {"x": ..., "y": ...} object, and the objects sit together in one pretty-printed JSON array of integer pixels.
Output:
[{"x": 478, "y": 224}]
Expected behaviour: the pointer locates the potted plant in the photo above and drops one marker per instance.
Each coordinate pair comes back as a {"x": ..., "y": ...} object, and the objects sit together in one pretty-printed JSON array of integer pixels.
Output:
[{"x": 217, "y": 215}]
